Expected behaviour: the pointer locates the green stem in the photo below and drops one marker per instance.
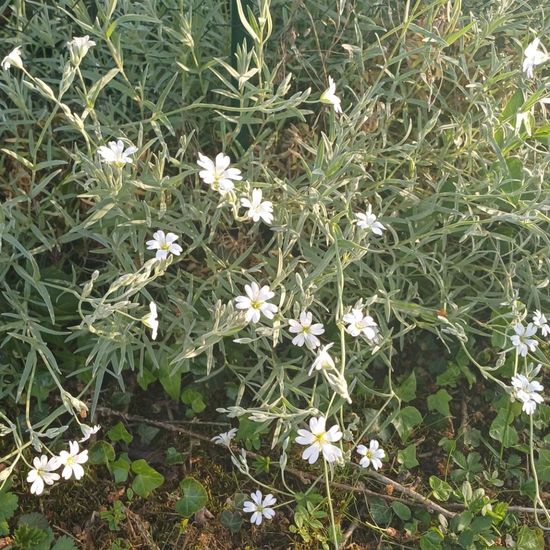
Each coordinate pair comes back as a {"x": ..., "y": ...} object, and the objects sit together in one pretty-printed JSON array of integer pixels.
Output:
[
  {"x": 538, "y": 500},
  {"x": 331, "y": 510}
]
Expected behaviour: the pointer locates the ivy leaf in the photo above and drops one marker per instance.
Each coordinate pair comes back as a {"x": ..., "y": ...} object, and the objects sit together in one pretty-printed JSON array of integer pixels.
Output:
[
  {"x": 173, "y": 456},
  {"x": 380, "y": 511},
  {"x": 231, "y": 520},
  {"x": 170, "y": 380},
  {"x": 121, "y": 468},
  {"x": 406, "y": 420},
  {"x": 407, "y": 390},
  {"x": 145, "y": 378},
  {"x": 407, "y": 456},
  {"x": 502, "y": 431},
  {"x": 440, "y": 402},
  {"x": 119, "y": 433},
  {"x": 193, "y": 497},
  {"x": 101, "y": 453},
  {"x": 147, "y": 478}
]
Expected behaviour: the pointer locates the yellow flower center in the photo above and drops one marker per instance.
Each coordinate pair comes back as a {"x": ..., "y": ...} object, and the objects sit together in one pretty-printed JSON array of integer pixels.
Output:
[
  {"x": 165, "y": 246},
  {"x": 70, "y": 460},
  {"x": 320, "y": 438},
  {"x": 255, "y": 304}
]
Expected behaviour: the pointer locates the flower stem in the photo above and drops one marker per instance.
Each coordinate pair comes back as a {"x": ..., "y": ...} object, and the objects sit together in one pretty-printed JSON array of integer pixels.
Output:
[{"x": 331, "y": 510}]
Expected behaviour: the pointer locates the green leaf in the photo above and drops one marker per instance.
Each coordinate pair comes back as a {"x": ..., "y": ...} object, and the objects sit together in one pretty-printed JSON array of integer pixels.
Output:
[
  {"x": 198, "y": 405},
  {"x": 174, "y": 457},
  {"x": 440, "y": 402},
  {"x": 407, "y": 390},
  {"x": 34, "y": 519},
  {"x": 147, "y": 478},
  {"x": 441, "y": 489},
  {"x": 380, "y": 511},
  {"x": 463, "y": 520},
  {"x": 145, "y": 378},
  {"x": 8, "y": 505},
  {"x": 406, "y": 420},
  {"x": 64, "y": 543},
  {"x": 147, "y": 433},
  {"x": 542, "y": 465},
  {"x": 119, "y": 433},
  {"x": 502, "y": 431},
  {"x": 529, "y": 539},
  {"x": 121, "y": 468},
  {"x": 101, "y": 453},
  {"x": 407, "y": 456},
  {"x": 513, "y": 105},
  {"x": 194, "y": 399},
  {"x": 402, "y": 510},
  {"x": 193, "y": 497},
  {"x": 171, "y": 381},
  {"x": 231, "y": 520},
  {"x": 431, "y": 540}
]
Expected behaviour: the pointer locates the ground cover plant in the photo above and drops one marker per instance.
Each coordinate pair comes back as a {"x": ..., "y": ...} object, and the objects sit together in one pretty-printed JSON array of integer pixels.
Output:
[{"x": 274, "y": 274}]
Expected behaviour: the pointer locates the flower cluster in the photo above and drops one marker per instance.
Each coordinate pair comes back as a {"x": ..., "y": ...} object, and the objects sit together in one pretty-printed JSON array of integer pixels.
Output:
[
  {"x": 319, "y": 442},
  {"x": 220, "y": 177},
  {"x": 523, "y": 340},
  {"x": 524, "y": 387},
  {"x": 44, "y": 471},
  {"x": 526, "y": 390}
]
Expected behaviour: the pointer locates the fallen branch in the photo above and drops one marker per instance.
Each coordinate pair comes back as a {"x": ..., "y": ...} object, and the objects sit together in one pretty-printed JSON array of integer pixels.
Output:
[{"x": 303, "y": 476}]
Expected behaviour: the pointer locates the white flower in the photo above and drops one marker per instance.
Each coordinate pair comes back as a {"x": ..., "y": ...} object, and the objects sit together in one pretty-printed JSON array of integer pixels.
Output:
[
  {"x": 72, "y": 460},
  {"x": 255, "y": 302},
  {"x": 361, "y": 324},
  {"x": 259, "y": 507},
  {"x": 151, "y": 320},
  {"x": 371, "y": 455},
  {"x": 225, "y": 438},
  {"x": 533, "y": 57},
  {"x": 42, "y": 473},
  {"x": 218, "y": 174},
  {"x": 306, "y": 331},
  {"x": 329, "y": 96},
  {"x": 522, "y": 338},
  {"x": 540, "y": 321},
  {"x": 13, "y": 58},
  {"x": 258, "y": 209},
  {"x": 78, "y": 48},
  {"x": 320, "y": 441},
  {"x": 323, "y": 361},
  {"x": 164, "y": 244},
  {"x": 116, "y": 154},
  {"x": 368, "y": 221},
  {"x": 88, "y": 431},
  {"x": 526, "y": 391}
]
